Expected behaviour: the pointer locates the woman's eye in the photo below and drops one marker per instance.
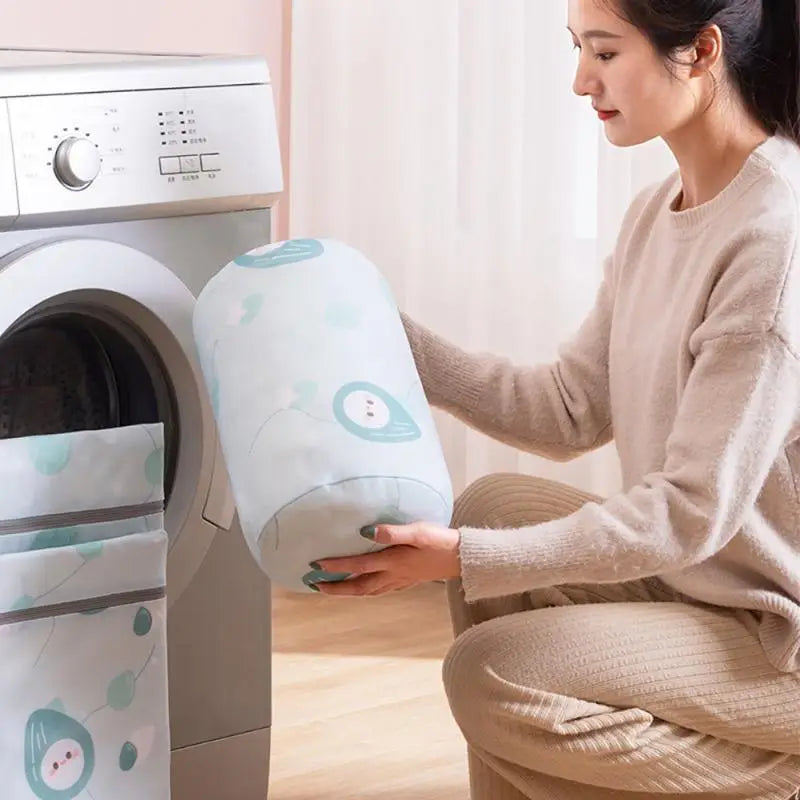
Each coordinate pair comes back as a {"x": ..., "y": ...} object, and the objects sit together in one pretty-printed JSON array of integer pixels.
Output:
[{"x": 604, "y": 56}]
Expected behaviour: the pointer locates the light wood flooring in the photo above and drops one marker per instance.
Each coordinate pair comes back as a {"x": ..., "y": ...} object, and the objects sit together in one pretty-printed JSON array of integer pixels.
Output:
[{"x": 358, "y": 708}]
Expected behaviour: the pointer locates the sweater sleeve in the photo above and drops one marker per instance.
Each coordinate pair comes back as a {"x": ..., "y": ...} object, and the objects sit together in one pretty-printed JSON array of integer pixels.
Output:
[
  {"x": 738, "y": 409},
  {"x": 557, "y": 410}
]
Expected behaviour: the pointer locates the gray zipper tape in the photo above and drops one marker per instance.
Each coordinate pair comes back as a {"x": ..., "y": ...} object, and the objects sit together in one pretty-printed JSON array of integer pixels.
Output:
[
  {"x": 84, "y": 606},
  {"x": 67, "y": 519}
]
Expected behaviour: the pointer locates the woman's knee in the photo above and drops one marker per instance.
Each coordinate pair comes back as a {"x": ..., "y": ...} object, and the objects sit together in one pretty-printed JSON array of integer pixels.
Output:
[
  {"x": 476, "y": 669},
  {"x": 464, "y": 672},
  {"x": 508, "y": 500},
  {"x": 505, "y": 658}
]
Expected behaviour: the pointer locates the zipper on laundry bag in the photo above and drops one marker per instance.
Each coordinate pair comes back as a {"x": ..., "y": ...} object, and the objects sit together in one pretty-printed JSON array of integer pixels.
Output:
[
  {"x": 90, "y": 604},
  {"x": 68, "y": 519}
]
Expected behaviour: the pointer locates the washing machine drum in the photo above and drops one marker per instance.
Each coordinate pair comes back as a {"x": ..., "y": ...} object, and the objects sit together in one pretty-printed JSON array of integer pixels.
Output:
[{"x": 71, "y": 372}]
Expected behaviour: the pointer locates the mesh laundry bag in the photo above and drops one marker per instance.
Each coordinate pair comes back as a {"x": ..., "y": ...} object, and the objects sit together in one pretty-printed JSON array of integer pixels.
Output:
[
  {"x": 323, "y": 421},
  {"x": 83, "y": 682}
]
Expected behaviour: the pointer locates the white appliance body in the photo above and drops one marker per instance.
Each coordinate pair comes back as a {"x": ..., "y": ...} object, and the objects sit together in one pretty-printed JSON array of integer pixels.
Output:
[{"x": 126, "y": 181}]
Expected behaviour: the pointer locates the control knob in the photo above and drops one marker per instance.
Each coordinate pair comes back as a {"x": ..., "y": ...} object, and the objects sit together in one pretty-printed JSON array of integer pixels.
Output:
[{"x": 77, "y": 162}]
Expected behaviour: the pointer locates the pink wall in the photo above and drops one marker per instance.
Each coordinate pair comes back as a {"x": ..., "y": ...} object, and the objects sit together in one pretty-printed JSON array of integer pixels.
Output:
[{"x": 207, "y": 26}]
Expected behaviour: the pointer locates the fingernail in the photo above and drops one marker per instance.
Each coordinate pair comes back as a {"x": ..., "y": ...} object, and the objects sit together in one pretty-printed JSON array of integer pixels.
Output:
[
  {"x": 368, "y": 531},
  {"x": 313, "y": 587},
  {"x": 315, "y": 565}
]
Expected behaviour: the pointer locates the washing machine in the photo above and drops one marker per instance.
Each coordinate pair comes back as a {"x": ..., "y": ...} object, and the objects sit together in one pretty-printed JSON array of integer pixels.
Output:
[{"x": 126, "y": 182}]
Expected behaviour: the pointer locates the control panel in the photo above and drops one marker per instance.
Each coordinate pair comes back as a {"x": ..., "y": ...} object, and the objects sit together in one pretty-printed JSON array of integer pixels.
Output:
[
  {"x": 179, "y": 129},
  {"x": 154, "y": 151}
]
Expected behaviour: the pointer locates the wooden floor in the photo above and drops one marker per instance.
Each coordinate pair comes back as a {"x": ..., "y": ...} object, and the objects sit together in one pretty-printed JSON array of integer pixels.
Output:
[{"x": 359, "y": 712}]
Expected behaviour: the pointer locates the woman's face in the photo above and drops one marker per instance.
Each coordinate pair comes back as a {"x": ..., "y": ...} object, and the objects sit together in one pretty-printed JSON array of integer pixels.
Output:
[{"x": 637, "y": 95}]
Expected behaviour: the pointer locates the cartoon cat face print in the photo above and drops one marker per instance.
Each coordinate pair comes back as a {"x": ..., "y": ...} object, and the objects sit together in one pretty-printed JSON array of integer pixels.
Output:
[
  {"x": 63, "y": 765},
  {"x": 367, "y": 410},
  {"x": 371, "y": 413},
  {"x": 59, "y": 755}
]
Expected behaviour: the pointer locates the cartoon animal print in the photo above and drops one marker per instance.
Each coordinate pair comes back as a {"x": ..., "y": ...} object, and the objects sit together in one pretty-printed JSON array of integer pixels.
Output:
[
  {"x": 371, "y": 413},
  {"x": 290, "y": 252},
  {"x": 246, "y": 310},
  {"x": 59, "y": 755}
]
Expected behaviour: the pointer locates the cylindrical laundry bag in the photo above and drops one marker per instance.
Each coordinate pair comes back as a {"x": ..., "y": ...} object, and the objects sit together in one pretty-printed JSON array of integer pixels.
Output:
[
  {"x": 323, "y": 421},
  {"x": 83, "y": 674}
]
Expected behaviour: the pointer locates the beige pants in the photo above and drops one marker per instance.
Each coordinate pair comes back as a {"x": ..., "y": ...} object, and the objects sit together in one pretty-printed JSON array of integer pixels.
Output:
[{"x": 615, "y": 691}]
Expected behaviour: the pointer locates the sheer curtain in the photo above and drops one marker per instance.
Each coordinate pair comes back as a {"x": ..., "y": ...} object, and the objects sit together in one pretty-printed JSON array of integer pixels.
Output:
[{"x": 442, "y": 138}]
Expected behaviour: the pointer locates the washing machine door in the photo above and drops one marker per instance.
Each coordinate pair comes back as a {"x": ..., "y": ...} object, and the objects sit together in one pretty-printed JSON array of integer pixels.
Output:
[{"x": 95, "y": 334}]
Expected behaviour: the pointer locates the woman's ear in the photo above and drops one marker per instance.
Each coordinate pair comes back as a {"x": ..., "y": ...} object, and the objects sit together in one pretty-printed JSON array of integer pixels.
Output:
[{"x": 707, "y": 51}]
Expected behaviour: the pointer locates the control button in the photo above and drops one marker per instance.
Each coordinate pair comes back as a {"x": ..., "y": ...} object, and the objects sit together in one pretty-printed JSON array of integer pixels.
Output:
[
  {"x": 190, "y": 163},
  {"x": 170, "y": 165},
  {"x": 211, "y": 162}
]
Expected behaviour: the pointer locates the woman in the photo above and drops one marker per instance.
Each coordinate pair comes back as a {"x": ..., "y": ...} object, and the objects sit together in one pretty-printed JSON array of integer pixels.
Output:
[{"x": 648, "y": 644}]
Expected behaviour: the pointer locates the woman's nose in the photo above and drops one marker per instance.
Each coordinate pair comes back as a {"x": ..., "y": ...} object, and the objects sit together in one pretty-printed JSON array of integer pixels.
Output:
[{"x": 585, "y": 82}]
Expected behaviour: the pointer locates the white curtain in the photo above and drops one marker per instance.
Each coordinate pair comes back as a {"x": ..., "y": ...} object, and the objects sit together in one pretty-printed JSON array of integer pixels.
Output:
[{"x": 442, "y": 138}]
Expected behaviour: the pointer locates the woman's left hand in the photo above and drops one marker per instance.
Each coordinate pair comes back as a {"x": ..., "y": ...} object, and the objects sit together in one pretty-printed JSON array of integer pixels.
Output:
[{"x": 416, "y": 553}]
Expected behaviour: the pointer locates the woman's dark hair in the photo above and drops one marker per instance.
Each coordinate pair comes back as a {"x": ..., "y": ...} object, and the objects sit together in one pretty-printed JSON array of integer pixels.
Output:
[{"x": 760, "y": 46}]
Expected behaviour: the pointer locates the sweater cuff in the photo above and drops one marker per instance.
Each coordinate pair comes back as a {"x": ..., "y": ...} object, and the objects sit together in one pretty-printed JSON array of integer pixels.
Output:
[{"x": 498, "y": 563}]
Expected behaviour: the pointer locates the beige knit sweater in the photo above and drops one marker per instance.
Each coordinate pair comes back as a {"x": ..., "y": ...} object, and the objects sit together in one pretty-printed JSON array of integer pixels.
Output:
[{"x": 689, "y": 361}]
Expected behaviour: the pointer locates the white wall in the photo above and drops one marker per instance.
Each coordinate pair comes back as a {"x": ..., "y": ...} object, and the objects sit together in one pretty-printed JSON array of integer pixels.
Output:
[
  {"x": 196, "y": 26},
  {"x": 176, "y": 25}
]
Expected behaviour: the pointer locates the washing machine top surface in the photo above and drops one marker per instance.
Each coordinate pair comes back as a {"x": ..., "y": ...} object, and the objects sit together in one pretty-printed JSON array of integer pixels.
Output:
[
  {"x": 27, "y": 72},
  {"x": 29, "y": 57}
]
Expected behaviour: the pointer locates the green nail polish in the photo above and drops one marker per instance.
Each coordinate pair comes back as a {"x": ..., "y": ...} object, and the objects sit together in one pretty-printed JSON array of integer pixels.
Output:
[
  {"x": 313, "y": 587},
  {"x": 315, "y": 565},
  {"x": 368, "y": 532}
]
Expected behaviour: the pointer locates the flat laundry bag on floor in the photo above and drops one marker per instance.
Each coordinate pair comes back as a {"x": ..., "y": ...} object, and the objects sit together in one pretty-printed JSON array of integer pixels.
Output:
[
  {"x": 83, "y": 679},
  {"x": 323, "y": 421}
]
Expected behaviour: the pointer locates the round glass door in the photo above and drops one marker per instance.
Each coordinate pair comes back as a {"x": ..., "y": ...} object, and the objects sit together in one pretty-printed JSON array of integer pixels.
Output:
[{"x": 93, "y": 335}]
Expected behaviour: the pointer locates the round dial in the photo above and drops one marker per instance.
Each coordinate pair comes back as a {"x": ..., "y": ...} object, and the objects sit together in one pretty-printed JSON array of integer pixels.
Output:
[{"x": 77, "y": 162}]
